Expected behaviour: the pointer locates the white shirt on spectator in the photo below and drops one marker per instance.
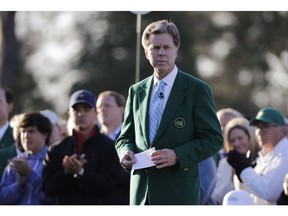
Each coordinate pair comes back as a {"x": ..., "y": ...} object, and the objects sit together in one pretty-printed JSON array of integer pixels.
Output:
[{"x": 265, "y": 181}]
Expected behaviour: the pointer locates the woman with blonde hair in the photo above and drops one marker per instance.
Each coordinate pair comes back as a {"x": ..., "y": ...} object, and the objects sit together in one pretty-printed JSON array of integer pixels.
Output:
[
  {"x": 238, "y": 135},
  {"x": 251, "y": 148}
]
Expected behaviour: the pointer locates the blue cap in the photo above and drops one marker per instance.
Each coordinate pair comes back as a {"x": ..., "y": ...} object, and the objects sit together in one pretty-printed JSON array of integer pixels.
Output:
[{"x": 83, "y": 96}]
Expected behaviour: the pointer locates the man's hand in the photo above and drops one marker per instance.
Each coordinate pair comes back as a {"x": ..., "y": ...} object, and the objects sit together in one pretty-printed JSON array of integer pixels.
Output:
[
  {"x": 238, "y": 161},
  {"x": 23, "y": 169},
  {"x": 128, "y": 159},
  {"x": 21, "y": 179},
  {"x": 164, "y": 158},
  {"x": 73, "y": 164},
  {"x": 21, "y": 166}
]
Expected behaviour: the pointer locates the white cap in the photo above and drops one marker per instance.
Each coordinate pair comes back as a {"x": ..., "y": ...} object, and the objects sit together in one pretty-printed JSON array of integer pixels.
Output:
[
  {"x": 52, "y": 116},
  {"x": 237, "y": 197}
]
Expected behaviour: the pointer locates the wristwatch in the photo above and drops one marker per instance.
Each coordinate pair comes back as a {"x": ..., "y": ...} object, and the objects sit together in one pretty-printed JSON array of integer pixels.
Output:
[{"x": 79, "y": 174}]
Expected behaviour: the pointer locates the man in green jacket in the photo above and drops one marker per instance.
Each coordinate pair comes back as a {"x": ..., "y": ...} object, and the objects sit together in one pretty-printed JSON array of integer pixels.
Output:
[
  {"x": 7, "y": 144},
  {"x": 188, "y": 129}
]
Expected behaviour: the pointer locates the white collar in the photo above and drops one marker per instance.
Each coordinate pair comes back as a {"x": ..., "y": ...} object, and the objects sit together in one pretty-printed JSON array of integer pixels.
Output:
[
  {"x": 169, "y": 79},
  {"x": 280, "y": 147},
  {"x": 114, "y": 134}
]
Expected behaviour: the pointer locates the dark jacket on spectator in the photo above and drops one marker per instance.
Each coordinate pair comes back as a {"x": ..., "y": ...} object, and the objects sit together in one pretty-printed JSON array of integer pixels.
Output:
[{"x": 100, "y": 172}]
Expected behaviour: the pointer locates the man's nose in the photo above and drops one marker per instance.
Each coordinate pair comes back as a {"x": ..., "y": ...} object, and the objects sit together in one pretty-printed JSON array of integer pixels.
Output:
[
  {"x": 79, "y": 113},
  {"x": 161, "y": 52}
]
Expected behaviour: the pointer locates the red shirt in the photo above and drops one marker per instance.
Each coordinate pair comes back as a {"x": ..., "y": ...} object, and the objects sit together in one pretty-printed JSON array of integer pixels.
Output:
[{"x": 80, "y": 139}]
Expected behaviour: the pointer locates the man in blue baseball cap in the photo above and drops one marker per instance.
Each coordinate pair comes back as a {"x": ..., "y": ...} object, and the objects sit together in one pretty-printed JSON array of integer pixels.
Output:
[
  {"x": 265, "y": 180},
  {"x": 84, "y": 167},
  {"x": 83, "y": 96}
]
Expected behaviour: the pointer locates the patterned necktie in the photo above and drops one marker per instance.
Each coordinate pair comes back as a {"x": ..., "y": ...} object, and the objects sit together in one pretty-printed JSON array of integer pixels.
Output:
[{"x": 156, "y": 110}]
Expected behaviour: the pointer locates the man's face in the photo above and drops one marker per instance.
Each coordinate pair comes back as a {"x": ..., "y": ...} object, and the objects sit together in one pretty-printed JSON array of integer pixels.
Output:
[
  {"x": 161, "y": 53},
  {"x": 267, "y": 134},
  {"x": 55, "y": 134},
  {"x": 32, "y": 139},
  {"x": 108, "y": 112},
  {"x": 83, "y": 117}
]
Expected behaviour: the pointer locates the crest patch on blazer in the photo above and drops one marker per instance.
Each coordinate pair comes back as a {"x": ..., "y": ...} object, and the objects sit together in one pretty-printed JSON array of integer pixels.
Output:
[{"x": 179, "y": 122}]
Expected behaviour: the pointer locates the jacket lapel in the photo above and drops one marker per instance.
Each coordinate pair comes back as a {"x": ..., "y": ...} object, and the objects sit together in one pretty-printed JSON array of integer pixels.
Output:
[
  {"x": 178, "y": 93},
  {"x": 144, "y": 95}
]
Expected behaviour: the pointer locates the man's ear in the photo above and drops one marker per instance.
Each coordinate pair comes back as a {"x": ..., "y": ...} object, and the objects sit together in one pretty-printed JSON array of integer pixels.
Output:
[
  {"x": 146, "y": 53},
  {"x": 68, "y": 113}
]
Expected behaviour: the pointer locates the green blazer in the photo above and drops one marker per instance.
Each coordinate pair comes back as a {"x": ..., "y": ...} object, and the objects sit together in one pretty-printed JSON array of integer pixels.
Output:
[
  {"x": 189, "y": 126},
  {"x": 7, "y": 149}
]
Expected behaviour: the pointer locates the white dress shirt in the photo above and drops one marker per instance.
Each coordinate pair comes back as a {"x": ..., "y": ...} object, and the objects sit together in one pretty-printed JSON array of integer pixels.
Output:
[
  {"x": 169, "y": 80},
  {"x": 114, "y": 134},
  {"x": 265, "y": 181}
]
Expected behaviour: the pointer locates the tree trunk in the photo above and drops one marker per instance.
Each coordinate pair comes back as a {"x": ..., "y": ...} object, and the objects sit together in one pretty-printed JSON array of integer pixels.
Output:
[{"x": 9, "y": 48}]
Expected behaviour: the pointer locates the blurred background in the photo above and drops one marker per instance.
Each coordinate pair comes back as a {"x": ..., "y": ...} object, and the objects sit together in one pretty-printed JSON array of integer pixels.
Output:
[{"x": 45, "y": 56}]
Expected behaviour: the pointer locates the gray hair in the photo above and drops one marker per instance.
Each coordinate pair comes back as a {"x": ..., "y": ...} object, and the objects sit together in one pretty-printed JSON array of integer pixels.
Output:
[{"x": 158, "y": 27}]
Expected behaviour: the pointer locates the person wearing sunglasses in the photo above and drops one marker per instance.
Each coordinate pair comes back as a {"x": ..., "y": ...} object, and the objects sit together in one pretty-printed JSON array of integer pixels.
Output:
[{"x": 265, "y": 181}]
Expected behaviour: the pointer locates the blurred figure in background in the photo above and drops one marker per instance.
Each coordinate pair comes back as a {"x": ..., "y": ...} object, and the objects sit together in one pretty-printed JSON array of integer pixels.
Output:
[
  {"x": 63, "y": 128},
  {"x": 240, "y": 136},
  {"x": 57, "y": 130},
  {"x": 7, "y": 143},
  {"x": 14, "y": 124},
  {"x": 208, "y": 179},
  {"x": 224, "y": 116},
  {"x": 110, "y": 111}
]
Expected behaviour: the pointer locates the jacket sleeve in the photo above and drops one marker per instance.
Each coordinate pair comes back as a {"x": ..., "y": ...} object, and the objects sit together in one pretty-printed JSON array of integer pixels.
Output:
[
  {"x": 207, "y": 136},
  {"x": 53, "y": 176},
  {"x": 35, "y": 182},
  {"x": 10, "y": 190},
  {"x": 126, "y": 138}
]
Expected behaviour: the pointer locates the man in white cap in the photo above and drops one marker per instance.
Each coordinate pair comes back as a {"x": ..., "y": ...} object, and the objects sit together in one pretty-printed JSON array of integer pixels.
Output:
[
  {"x": 265, "y": 180},
  {"x": 56, "y": 134}
]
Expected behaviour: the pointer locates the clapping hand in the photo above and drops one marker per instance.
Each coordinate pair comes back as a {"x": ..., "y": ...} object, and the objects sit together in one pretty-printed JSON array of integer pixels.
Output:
[
  {"x": 73, "y": 164},
  {"x": 23, "y": 169}
]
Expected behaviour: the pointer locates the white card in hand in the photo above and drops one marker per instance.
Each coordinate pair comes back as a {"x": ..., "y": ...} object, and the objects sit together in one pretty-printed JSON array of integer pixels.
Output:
[{"x": 144, "y": 159}]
